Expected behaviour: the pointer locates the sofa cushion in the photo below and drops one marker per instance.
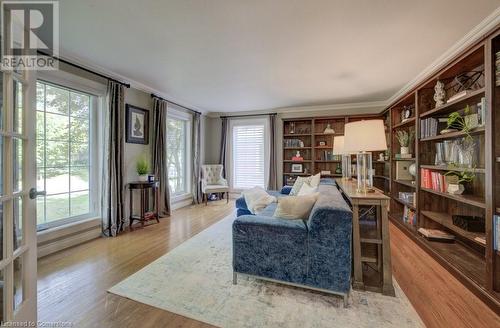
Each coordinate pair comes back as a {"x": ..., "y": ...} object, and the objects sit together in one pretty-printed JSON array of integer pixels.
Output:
[
  {"x": 298, "y": 184},
  {"x": 295, "y": 207},
  {"x": 307, "y": 189}
]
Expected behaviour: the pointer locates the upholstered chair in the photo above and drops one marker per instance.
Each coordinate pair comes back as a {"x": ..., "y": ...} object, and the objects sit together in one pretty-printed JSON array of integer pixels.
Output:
[{"x": 213, "y": 182}]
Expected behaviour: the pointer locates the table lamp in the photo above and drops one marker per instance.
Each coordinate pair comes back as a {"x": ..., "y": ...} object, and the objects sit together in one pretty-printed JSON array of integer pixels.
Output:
[
  {"x": 363, "y": 137},
  {"x": 338, "y": 149}
]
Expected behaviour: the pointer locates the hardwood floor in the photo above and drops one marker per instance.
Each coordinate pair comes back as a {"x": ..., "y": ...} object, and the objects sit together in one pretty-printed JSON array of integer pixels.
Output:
[{"x": 72, "y": 284}]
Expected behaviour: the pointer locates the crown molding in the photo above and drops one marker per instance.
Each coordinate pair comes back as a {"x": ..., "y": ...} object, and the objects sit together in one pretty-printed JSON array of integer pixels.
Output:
[
  {"x": 133, "y": 83},
  {"x": 372, "y": 107},
  {"x": 478, "y": 32}
]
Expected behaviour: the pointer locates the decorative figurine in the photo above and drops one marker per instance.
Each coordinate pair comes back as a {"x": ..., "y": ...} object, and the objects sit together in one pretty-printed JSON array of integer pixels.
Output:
[
  {"x": 381, "y": 157},
  {"x": 297, "y": 157},
  {"x": 329, "y": 129},
  {"x": 439, "y": 94}
]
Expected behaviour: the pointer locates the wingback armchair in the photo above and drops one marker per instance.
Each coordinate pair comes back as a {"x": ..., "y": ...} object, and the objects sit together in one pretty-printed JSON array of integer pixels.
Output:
[{"x": 213, "y": 182}]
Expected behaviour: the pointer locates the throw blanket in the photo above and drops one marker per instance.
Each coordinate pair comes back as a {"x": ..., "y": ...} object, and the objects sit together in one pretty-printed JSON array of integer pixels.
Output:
[{"x": 257, "y": 199}]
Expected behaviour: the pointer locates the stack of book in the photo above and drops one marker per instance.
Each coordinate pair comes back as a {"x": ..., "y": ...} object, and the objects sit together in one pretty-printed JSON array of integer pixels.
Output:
[
  {"x": 428, "y": 127},
  {"x": 409, "y": 216},
  {"x": 497, "y": 72},
  {"x": 436, "y": 234},
  {"x": 432, "y": 180}
]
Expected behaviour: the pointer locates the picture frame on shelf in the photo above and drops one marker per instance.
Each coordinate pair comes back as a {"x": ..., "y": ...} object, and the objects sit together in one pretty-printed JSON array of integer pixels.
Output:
[{"x": 297, "y": 168}]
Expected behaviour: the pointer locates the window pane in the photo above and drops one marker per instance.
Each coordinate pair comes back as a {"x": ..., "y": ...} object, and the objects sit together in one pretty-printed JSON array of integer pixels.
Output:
[
  {"x": 80, "y": 203},
  {"x": 1, "y": 236},
  {"x": 80, "y": 104},
  {"x": 18, "y": 222},
  {"x": 80, "y": 154},
  {"x": 176, "y": 155},
  {"x": 79, "y": 130},
  {"x": 40, "y": 210},
  {"x": 57, "y": 127},
  {"x": 18, "y": 164},
  {"x": 248, "y": 156},
  {"x": 57, "y": 207},
  {"x": 56, "y": 153},
  {"x": 40, "y": 179},
  {"x": 40, "y": 97},
  {"x": 57, "y": 100},
  {"x": 1, "y": 102},
  {"x": 40, "y": 125},
  {"x": 18, "y": 282},
  {"x": 18, "y": 107},
  {"x": 79, "y": 178},
  {"x": 40, "y": 153},
  {"x": 1, "y": 165},
  {"x": 57, "y": 180}
]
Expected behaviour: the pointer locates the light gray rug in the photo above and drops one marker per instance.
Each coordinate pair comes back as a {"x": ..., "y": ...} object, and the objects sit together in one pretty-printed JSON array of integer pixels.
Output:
[{"x": 195, "y": 280}]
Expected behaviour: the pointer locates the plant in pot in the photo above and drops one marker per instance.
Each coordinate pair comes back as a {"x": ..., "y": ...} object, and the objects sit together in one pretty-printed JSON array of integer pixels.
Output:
[
  {"x": 405, "y": 139},
  {"x": 458, "y": 122},
  {"x": 456, "y": 179},
  {"x": 142, "y": 169}
]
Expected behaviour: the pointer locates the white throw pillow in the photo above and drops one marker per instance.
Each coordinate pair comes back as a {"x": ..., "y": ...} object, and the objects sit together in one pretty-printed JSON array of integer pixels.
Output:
[
  {"x": 295, "y": 207},
  {"x": 306, "y": 189},
  {"x": 315, "y": 179},
  {"x": 257, "y": 199},
  {"x": 298, "y": 184}
]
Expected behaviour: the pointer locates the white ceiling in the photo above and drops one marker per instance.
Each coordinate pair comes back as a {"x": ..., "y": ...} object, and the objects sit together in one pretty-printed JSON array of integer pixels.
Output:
[{"x": 237, "y": 55}]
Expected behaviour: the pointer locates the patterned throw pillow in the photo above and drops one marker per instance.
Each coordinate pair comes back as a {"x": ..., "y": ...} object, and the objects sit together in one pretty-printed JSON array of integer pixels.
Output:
[{"x": 298, "y": 184}]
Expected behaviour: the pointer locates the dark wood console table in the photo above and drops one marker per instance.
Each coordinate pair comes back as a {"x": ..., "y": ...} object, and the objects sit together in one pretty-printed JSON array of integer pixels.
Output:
[
  {"x": 375, "y": 238},
  {"x": 145, "y": 213}
]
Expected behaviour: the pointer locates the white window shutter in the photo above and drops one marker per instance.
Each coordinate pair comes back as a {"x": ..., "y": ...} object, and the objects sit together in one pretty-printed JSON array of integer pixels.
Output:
[{"x": 248, "y": 156}]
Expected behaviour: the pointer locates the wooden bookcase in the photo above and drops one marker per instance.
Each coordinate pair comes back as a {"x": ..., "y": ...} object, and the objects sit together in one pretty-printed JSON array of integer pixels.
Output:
[
  {"x": 471, "y": 257},
  {"x": 307, "y": 135}
]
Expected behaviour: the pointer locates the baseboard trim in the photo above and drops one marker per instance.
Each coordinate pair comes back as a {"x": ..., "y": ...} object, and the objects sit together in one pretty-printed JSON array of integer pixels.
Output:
[{"x": 56, "y": 239}]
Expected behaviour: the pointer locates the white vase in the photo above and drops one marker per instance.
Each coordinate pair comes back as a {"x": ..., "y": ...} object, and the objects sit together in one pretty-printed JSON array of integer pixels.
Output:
[
  {"x": 455, "y": 189},
  {"x": 405, "y": 150},
  {"x": 143, "y": 178}
]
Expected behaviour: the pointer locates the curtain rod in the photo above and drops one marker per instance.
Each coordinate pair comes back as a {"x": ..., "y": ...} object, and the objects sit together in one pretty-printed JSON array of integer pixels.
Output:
[
  {"x": 127, "y": 85},
  {"x": 248, "y": 115},
  {"x": 176, "y": 104}
]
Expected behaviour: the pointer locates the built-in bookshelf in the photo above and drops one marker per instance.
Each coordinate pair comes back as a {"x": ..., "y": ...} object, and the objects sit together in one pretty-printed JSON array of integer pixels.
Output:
[
  {"x": 313, "y": 139},
  {"x": 437, "y": 153}
]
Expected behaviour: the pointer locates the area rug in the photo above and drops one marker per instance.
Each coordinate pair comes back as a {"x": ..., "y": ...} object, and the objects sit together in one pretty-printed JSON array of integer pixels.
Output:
[{"x": 195, "y": 281}]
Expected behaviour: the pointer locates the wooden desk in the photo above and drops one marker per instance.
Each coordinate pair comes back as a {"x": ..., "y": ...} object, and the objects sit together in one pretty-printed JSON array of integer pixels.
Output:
[
  {"x": 378, "y": 237},
  {"x": 145, "y": 214}
]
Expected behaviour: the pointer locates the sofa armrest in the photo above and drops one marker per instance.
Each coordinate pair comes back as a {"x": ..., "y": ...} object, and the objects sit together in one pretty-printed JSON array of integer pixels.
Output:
[
  {"x": 257, "y": 221},
  {"x": 286, "y": 190}
]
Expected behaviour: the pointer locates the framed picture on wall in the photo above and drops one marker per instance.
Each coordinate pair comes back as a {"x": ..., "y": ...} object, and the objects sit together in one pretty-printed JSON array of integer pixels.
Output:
[{"x": 136, "y": 125}]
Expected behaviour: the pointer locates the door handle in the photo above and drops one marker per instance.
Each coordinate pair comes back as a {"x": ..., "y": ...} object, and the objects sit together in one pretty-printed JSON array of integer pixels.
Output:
[{"x": 34, "y": 194}]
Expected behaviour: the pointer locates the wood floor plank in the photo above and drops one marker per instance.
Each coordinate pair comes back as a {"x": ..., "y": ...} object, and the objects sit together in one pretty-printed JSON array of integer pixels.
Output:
[{"x": 72, "y": 283}]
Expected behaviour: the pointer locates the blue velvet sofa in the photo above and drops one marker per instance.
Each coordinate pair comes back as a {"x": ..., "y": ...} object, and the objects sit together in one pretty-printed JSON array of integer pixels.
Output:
[{"x": 314, "y": 253}]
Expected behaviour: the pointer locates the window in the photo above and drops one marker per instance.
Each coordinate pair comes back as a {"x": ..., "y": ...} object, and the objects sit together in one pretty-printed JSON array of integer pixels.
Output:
[
  {"x": 249, "y": 153},
  {"x": 64, "y": 126},
  {"x": 178, "y": 152}
]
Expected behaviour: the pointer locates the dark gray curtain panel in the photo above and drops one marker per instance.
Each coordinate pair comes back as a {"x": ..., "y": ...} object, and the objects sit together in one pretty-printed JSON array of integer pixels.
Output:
[
  {"x": 160, "y": 108},
  {"x": 196, "y": 149},
  {"x": 113, "y": 200},
  {"x": 223, "y": 145},
  {"x": 273, "y": 181}
]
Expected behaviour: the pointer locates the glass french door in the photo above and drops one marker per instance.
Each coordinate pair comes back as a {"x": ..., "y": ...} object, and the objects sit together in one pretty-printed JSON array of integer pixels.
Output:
[{"x": 18, "y": 254}]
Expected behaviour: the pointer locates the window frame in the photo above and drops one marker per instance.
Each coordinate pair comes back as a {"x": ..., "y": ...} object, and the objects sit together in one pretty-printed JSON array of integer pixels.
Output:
[
  {"x": 178, "y": 114},
  {"x": 74, "y": 83},
  {"x": 247, "y": 122}
]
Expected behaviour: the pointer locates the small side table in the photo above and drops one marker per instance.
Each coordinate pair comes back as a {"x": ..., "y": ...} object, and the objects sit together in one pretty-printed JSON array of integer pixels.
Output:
[{"x": 145, "y": 214}]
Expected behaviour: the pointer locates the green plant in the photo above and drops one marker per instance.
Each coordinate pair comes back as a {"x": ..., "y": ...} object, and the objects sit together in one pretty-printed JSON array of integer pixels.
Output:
[
  {"x": 463, "y": 176},
  {"x": 142, "y": 166},
  {"x": 404, "y": 137},
  {"x": 457, "y": 121}
]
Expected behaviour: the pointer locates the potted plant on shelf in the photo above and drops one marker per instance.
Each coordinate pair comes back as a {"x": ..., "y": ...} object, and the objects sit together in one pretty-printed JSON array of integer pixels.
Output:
[
  {"x": 405, "y": 139},
  {"x": 457, "y": 122},
  {"x": 456, "y": 179},
  {"x": 142, "y": 169}
]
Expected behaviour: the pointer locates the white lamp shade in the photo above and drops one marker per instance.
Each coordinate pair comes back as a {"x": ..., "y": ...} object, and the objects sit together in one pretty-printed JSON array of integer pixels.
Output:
[
  {"x": 366, "y": 135},
  {"x": 338, "y": 145}
]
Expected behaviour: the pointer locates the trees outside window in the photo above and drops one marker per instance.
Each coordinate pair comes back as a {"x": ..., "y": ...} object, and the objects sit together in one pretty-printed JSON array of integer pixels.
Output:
[{"x": 63, "y": 153}]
